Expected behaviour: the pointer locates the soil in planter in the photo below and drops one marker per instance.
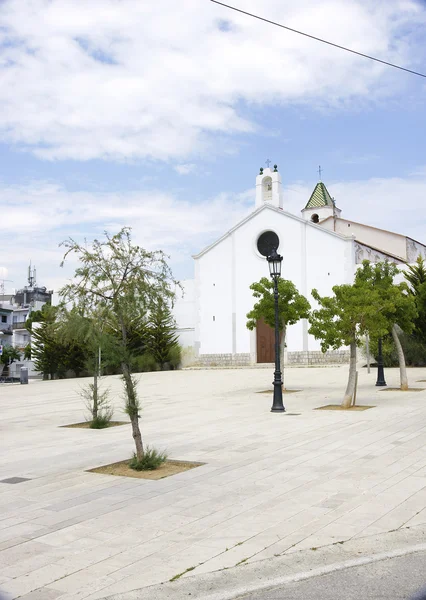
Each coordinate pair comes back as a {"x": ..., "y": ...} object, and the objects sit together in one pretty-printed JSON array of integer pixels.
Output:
[
  {"x": 388, "y": 389},
  {"x": 170, "y": 467},
  {"x": 357, "y": 407},
  {"x": 86, "y": 425}
]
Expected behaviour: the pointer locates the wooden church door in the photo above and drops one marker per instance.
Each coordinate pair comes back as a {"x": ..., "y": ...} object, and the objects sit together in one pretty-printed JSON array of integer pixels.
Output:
[{"x": 265, "y": 342}]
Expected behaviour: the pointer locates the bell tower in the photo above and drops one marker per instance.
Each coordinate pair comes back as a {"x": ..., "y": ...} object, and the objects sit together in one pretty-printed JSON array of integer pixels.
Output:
[
  {"x": 269, "y": 187},
  {"x": 320, "y": 205}
]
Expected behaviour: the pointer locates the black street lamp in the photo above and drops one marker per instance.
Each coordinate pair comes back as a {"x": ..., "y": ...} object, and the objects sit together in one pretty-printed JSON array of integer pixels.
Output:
[
  {"x": 380, "y": 372},
  {"x": 274, "y": 261}
]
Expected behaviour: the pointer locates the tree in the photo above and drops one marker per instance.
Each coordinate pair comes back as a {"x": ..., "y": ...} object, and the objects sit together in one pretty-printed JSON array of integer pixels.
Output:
[
  {"x": 343, "y": 319},
  {"x": 121, "y": 281},
  {"x": 416, "y": 277},
  {"x": 45, "y": 350},
  {"x": 52, "y": 355},
  {"x": 9, "y": 355},
  {"x": 292, "y": 307},
  {"x": 162, "y": 340},
  {"x": 87, "y": 332},
  {"x": 395, "y": 304}
]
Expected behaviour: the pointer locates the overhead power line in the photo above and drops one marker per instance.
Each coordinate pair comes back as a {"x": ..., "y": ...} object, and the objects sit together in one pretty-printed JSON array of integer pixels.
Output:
[{"x": 312, "y": 37}]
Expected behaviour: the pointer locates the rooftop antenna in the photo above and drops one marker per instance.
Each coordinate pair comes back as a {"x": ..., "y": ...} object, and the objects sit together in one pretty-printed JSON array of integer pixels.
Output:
[{"x": 31, "y": 276}]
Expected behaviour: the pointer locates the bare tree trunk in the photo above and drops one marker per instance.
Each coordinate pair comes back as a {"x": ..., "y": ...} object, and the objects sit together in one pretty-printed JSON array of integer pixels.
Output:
[
  {"x": 132, "y": 404},
  {"x": 95, "y": 393},
  {"x": 401, "y": 359},
  {"x": 350, "y": 388},
  {"x": 133, "y": 409},
  {"x": 282, "y": 351}
]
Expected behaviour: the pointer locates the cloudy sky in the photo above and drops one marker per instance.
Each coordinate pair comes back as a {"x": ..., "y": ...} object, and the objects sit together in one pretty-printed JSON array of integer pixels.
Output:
[{"x": 158, "y": 115}]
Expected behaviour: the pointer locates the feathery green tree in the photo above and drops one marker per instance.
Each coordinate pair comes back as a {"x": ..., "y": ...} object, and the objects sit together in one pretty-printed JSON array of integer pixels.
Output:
[
  {"x": 121, "y": 281},
  {"x": 52, "y": 355},
  {"x": 162, "y": 341},
  {"x": 416, "y": 277}
]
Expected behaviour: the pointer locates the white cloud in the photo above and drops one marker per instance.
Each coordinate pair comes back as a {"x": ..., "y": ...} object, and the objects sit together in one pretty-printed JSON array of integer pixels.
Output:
[
  {"x": 130, "y": 79},
  {"x": 394, "y": 203},
  {"x": 185, "y": 169},
  {"x": 47, "y": 214},
  {"x": 35, "y": 218}
]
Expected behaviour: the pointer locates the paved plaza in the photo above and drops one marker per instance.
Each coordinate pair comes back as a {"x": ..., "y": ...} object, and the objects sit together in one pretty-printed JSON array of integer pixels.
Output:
[{"x": 272, "y": 484}]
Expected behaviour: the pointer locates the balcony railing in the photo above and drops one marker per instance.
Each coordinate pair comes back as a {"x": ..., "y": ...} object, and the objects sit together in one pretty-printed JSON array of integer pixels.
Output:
[{"x": 19, "y": 325}]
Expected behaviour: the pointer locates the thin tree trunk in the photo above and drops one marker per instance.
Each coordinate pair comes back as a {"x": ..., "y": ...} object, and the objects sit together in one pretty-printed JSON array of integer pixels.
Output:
[
  {"x": 132, "y": 404},
  {"x": 350, "y": 388},
  {"x": 401, "y": 359},
  {"x": 133, "y": 410},
  {"x": 95, "y": 393},
  {"x": 282, "y": 351}
]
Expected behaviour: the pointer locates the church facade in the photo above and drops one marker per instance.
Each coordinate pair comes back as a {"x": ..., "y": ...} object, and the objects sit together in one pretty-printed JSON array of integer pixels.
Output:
[{"x": 320, "y": 249}]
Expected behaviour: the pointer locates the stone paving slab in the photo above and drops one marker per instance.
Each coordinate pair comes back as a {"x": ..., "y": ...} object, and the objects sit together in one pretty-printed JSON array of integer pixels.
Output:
[{"x": 272, "y": 483}]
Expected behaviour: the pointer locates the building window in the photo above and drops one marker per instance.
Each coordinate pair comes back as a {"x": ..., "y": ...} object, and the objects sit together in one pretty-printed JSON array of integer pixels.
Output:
[
  {"x": 315, "y": 218},
  {"x": 3, "y": 319},
  {"x": 267, "y": 242}
]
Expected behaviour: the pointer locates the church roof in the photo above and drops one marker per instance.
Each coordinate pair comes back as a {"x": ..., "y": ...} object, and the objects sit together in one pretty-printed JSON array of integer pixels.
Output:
[
  {"x": 319, "y": 197},
  {"x": 278, "y": 211}
]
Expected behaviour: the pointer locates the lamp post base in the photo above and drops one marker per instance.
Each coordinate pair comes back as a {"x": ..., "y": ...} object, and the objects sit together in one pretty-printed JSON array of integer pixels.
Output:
[
  {"x": 380, "y": 368},
  {"x": 277, "y": 404},
  {"x": 381, "y": 380}
]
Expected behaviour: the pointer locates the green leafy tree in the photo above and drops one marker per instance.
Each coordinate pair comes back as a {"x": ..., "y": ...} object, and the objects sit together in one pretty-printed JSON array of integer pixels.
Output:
[
  {"x": 343, "y": 319},
  {"x": 27, "y": 352},
  {"x": 395, "y": 304},
  {"x": 53, "y": 356},
  {"x": 292, "y": 307},
  {"x": 416, "y": 277},
  {"x": 162, "y": 340},
  {"x": 9, "y": 355},
  {"x": 121, "y": 281},
  {"x": 87, "y": 332},
  {"x": 45, "y": 349}
]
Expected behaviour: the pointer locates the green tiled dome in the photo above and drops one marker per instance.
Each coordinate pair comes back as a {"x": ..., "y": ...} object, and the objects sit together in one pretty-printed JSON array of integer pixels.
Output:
[{"x": 319, "y": 197}]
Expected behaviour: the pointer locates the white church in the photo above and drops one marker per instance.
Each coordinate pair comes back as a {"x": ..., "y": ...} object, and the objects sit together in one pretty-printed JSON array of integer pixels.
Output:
[{"x": 320, "y": 249}]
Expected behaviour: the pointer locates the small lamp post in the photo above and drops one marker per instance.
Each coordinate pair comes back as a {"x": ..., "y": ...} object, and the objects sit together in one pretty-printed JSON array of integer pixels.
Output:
[
  {"x": 380, "y": 371},
  {"x": 274, "y": 261}
]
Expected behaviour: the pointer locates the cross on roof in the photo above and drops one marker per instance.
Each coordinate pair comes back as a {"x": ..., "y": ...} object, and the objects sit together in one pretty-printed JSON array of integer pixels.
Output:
[
  {"x": 268, "y": 162},
  {"x": 319, "y": 172}
]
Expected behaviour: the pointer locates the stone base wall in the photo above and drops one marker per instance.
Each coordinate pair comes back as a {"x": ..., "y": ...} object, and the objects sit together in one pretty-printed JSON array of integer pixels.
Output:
[
  {"x": 318, "y": 358},
  {"x": 223, "y": 360},
  {"x": 292, "y": 359}
]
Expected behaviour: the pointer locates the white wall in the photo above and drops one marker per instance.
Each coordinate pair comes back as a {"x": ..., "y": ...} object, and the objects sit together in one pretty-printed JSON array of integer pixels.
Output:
[
  {"x": 378, "y": 238},
  {"x": 312, "y": 258},
  {"x": 214, "y": 301},
  {"x": 184, "y": 313}
]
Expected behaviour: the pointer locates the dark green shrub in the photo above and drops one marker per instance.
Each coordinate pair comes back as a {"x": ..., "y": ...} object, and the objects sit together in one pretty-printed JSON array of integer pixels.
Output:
[
  {"x": 175, "y": 356},
  {"x": 414, "y": 350},
  {"x": 390, "y": 356},
  {"x": 100, "y": 422},
  {"x": 145, "y": 363}
]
